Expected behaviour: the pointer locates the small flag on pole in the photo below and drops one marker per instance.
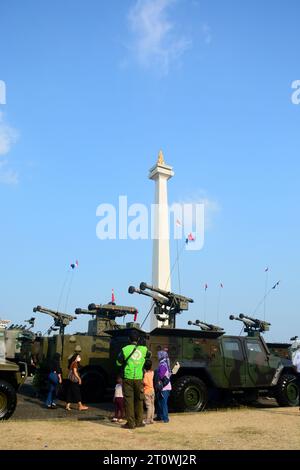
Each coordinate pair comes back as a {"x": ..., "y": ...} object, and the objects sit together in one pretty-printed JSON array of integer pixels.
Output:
[
  {"x": 190, "y": 238},
  {"x": 112, "y": 296},
  {"x": 74, "y": 265},
  {"x": 135, "y": 315}
]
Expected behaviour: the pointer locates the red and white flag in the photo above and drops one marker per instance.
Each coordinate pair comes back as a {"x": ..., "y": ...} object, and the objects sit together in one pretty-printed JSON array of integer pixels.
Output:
[
  {"x": 74, "y": 265},
  {"x": 112, "y": 296}
]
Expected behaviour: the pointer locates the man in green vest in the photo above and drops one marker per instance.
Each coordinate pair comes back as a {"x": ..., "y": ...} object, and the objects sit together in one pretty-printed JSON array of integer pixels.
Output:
[{"x": 132, "y": 359}]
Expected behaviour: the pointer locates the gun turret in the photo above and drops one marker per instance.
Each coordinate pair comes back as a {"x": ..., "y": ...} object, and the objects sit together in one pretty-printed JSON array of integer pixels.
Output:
[
  {"x": 167, "y": 304},
  {"x": 31, "y": 322},
  {"x": 205, "y": 326},
  {"x": 111, "y": 311},
  {"x": 61, "y": 320},
  {"x": 253, "y": 326},
  {"x": 106, "y": 315}
]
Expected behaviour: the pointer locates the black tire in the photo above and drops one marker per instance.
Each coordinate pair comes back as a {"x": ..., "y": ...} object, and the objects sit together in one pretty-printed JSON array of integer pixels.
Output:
[
  {"x": 189, "y": 393},
  {"x": 287, "y": 392},
  {"x": 8, "y": 400},
  {"x": 93, "y": 386}
]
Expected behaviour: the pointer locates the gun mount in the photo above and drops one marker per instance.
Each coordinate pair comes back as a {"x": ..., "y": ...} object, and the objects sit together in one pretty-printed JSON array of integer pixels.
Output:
[
  {"x": 253, "y": 326},
  {"x": 31, "y": 322},
  {"x": 106, "y": 315},
  {"x": 167, "y": 304},
  {"x": 61, "y": 320},
  {"x": 205, "y": 326}
]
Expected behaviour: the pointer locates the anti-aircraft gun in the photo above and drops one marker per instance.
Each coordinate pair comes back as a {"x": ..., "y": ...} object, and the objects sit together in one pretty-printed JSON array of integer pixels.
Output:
[
  {"x": 205, "y": 326},
  {"x": 106, "y": 315},
  {"x": 61, "y": 320},
  {"x": 253, "y": 326},
  {"x": 166, "y": 304}
]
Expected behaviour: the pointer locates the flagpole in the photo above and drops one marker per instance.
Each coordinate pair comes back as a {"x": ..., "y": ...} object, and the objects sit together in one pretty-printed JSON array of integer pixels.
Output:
[
  {"x": 266, "y": 289},
  {"x": 205, "y": 302},
  {"x": 62, "y": 290},
  {"x": 178, "y": 270},
  {"x": 219, "y": 302}
]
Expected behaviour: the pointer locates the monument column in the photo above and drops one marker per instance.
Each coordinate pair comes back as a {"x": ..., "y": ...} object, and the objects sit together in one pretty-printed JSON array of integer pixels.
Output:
[{"x": 161, "y": 277}]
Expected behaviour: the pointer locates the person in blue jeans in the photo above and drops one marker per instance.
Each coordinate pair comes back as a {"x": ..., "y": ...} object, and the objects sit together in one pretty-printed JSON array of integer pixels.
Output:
[
  {"x": 163, "y": 373},
  {"x": 54, "y": 378}
]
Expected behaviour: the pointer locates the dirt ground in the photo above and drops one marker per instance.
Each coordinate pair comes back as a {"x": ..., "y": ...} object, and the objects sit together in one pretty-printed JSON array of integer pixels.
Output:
[{"x": 241, "y": 429}]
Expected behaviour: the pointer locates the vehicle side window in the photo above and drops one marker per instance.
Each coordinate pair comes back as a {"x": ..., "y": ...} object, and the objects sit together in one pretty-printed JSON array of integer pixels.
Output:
[
  {"x": 254, "y": 351},
  {"x": 232, "y": 350}
]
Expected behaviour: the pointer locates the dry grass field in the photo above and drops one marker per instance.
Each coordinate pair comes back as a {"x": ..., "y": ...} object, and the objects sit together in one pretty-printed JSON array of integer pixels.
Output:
[{"x": 241, "y": 429}]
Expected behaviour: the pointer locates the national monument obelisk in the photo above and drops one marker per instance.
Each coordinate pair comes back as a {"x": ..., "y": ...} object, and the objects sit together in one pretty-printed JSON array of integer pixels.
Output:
[{"x": 161, "y": 275}]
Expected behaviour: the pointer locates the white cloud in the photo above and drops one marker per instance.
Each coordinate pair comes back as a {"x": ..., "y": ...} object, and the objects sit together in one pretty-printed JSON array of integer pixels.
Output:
[
  {"x": 156, "y": 41},
  {"x": 8, "y": 137},
  {"x": 7, "y": 176}
]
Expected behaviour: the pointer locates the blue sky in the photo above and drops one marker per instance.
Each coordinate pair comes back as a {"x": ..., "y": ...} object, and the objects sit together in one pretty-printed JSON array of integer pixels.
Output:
[{"x": 93, "y": 91}]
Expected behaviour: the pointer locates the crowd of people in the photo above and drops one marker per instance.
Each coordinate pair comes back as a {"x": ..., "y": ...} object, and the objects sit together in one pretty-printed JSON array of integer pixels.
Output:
[{"x": 138, "y": 386}]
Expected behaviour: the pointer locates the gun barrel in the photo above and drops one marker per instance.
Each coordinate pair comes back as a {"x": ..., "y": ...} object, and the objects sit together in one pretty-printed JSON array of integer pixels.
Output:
[
  {"x": 158, "y": 298},
  {"x": 83, "y": 311},
  {"x": 117, "y": 310},
  {"x": 53, "y": 313},
  {"x": 254, "y": 320},
  {"x": 144, "y": 286}
]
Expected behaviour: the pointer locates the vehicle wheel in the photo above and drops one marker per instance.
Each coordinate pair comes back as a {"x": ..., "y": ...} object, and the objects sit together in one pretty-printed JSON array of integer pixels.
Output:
[
  {"x": 287, "y": 393},
  {"x": 189, "y": 394},
  {"x": 93, "y": 387},
  {"x": 8, "y": 400}
]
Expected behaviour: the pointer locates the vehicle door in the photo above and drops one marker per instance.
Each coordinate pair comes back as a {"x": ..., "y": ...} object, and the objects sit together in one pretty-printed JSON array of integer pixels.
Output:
[
  {"x": 260, "y": 373},
  {"x": 234, "y": 362}
]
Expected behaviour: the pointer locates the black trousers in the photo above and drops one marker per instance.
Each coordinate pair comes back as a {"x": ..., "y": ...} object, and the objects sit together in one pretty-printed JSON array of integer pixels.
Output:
[{"x": 134, "y": 401}]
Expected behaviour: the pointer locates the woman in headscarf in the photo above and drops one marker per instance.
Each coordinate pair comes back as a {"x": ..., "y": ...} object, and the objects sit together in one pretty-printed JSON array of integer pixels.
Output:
[{"x": 163, "y": 374}]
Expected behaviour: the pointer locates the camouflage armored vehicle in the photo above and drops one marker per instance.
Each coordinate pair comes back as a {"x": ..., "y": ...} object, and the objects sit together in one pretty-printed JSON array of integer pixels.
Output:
[
  {"x": 11, "y": 377},
  {"x": 93, "y": 346},
  {"x": 214, "y": 365}
]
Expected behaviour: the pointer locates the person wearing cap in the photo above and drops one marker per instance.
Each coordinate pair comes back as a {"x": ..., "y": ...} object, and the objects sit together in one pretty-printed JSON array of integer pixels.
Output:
[{"x": 132, "y": 359}]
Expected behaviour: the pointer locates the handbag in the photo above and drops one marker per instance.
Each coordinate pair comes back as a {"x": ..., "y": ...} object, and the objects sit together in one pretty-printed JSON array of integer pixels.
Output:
[
  {"x": 72, "y": 377},
  {"x": 160, "y": 384}
]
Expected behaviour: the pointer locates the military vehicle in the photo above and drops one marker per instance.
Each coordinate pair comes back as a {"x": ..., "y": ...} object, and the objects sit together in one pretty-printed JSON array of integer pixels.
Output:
[
  {"x": 214, "y": 365},
  {"x": 12, "y": 376},
  {"x": 93, "y": 346}
]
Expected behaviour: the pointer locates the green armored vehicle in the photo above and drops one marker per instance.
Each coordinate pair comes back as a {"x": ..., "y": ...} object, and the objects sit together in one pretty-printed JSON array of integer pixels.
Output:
[
  {"x": 12, "y": 376},
  {"x": 213, "y": 365},
  {"x": 93, "y": 347}
]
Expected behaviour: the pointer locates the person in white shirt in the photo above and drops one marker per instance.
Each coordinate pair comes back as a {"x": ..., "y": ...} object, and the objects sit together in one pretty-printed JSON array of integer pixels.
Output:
[
  {"x": 119, "y": 401},
  {"x": 296, "y": 362}
]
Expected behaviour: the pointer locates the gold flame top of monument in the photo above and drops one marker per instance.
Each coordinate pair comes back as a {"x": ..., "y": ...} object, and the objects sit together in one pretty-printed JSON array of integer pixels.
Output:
[{"x": 161, "y": 160}]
